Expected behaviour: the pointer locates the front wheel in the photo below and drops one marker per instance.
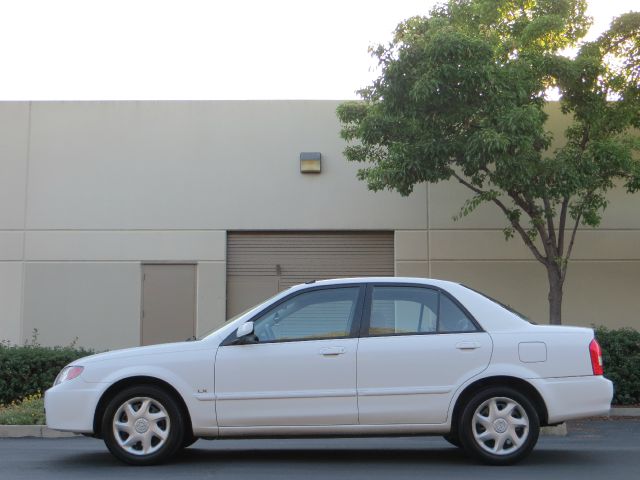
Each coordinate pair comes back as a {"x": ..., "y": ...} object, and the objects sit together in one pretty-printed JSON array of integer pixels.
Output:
[
  {"x": 142, "y": 425},
  {"x": 188, "y": 441},
  {"x": 499, "y": 426}
]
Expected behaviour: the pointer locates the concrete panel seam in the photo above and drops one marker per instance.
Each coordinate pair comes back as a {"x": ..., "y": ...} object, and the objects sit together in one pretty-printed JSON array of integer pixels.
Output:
[
  {"x": 24, "y": 225},
  {"x": 150, "y": 230},
  {"x": 494, "y": 229},
  {"x": 533, "y": 260}
]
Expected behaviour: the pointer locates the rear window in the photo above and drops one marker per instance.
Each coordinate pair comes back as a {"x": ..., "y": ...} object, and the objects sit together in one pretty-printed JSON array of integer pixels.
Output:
[{"x": 508, "y": 308}]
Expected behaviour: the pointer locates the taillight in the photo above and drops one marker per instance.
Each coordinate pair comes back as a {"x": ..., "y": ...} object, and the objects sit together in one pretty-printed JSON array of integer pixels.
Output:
[{"x": 596, "y": 357}]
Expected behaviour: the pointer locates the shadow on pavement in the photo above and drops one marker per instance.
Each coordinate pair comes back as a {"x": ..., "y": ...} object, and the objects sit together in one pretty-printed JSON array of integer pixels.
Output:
[{"x": 295, "y": 457}]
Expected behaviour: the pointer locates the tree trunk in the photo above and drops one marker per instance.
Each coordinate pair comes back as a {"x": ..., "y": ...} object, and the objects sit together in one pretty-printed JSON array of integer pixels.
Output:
[{"x": 555, "y": 295}]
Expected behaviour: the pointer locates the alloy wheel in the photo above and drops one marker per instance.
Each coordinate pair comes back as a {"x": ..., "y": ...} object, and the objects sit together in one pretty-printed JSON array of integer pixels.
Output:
[
  {"x": 141, "y": 425},
  {"x": 500, "y": 425}
]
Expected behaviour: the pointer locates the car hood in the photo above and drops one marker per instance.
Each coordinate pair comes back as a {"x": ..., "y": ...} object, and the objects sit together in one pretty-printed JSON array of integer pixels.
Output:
[{"x": 160, "y": 349}]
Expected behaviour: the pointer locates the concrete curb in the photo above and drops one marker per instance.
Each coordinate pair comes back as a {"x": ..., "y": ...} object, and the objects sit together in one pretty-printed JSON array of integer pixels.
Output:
[
  {"x": 624, "y": 412},
  {"x": 556, "y": 431},
  {"x": 38, "y": 431}
]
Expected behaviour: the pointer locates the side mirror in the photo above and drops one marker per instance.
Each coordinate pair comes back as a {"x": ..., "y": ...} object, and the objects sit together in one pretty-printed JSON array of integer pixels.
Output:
[
  {"x": 245, "y": 329},
  {"x": 245, "y": 335}
]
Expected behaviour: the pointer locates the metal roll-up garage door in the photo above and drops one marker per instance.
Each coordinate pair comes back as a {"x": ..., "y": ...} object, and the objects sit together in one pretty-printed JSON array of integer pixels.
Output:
[{"x": 260, "y": 264}]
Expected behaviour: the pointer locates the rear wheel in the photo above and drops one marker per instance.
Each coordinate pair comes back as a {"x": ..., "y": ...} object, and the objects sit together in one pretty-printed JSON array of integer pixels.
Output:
[
  {"x": 499, "y": 426},
  {"x": 142, "y": 425}
]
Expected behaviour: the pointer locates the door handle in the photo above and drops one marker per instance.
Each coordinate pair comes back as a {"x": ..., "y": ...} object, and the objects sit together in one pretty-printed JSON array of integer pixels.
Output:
[
  {"x": 332, "y": 351},
  {"x": 467, "y": 345}
]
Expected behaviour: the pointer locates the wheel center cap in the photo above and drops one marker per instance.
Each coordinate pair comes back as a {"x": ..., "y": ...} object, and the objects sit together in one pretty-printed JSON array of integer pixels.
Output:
[
  {"x": 500, "y": 425},
  {"x": 141, "y": 425}
]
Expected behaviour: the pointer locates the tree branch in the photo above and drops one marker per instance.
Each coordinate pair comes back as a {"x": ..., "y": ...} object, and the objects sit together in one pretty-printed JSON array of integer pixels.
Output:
[
  {"x": 548, "y": 213},
  {"x": 530, "y": 209},
  {"x": 573, "y": 237},
  {"x": 562, "y": 224},
  {"x": 525, "y": 237}
]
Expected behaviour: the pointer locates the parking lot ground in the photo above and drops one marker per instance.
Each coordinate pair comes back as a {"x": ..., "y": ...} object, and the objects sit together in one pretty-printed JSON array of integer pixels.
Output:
[{"x": 593, "y": 449}]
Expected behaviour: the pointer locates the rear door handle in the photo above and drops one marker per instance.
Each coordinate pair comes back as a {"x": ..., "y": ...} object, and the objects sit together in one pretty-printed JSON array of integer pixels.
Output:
[
  {"x": 332, "y": 351},
  {"x": 467, "y": 345}
]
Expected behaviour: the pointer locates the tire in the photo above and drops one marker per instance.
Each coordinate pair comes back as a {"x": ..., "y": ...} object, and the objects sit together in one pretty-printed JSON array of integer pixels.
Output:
[
  {"x": 142, "y": 425},
  {"x": 499, "y": 426},
  {"x": 188, "y": 441},
  {"x": 453, "y": 439}
]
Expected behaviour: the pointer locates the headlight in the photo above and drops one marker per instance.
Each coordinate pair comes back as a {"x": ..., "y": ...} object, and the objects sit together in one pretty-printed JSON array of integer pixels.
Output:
[{"x": 68, "y": 373}]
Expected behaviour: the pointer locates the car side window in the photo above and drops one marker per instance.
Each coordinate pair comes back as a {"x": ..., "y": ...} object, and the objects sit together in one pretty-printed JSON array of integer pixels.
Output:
[
  {"x": 452, "y": 318},
  {"x": 326, "y": 313},
  {"x": 397, "y": 310}
]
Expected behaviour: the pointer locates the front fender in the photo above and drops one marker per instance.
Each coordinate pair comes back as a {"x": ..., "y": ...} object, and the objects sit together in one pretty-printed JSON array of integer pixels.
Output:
[{"x": 195, "y": 384}]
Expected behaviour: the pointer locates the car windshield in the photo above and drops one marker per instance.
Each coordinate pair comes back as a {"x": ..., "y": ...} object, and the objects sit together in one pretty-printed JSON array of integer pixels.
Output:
[
  {"x": 509, "y": 308},
  {"x": 235, "y": 317},
  {"x": 227, "y": 322}
]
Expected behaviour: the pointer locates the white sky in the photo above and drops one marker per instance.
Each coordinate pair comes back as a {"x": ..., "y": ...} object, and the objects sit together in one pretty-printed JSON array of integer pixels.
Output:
[{"x": 198, "y": 49}]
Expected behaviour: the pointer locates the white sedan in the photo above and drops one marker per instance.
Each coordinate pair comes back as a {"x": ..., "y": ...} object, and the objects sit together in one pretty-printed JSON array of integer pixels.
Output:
[{"x": 364, "y": 356}]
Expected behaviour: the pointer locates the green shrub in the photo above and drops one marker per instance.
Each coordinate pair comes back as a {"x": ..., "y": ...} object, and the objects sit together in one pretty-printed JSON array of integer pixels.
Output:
[
  {"x": 621, "y": 356},
  {"x": 29, "y": 369},
  {"x": 30, "y": 411}
]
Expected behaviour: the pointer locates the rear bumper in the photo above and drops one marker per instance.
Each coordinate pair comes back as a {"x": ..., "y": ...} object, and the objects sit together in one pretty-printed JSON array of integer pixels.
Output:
[
  {"x": 575, "y": 397},
  {"x": 70, "y": 406}
]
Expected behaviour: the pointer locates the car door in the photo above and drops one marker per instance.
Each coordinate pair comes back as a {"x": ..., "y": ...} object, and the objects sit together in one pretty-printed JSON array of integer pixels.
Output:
[
  {"x": 418, "y": 344},
  {"x": 301, "y": 371}
]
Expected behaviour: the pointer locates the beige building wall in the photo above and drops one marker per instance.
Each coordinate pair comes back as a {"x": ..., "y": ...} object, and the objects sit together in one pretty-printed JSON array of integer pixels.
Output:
[
  {"x": 226, "y": 165},
  {"x": 115, "y": 184},
  {"x": 603, "y": 279},
  {"x": 87, "y": 284},
  {"x": 90, "y": 190},
  {"x": 602, "y": 284},
  {"x": 97, "y": 303},
  {"x": 14, "y": 146}
]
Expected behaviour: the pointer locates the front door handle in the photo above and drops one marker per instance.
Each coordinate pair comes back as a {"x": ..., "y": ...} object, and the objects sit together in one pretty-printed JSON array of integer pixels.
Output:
[
  {"x": 467, "y": 345},
  {"x": 332, "y": 351}
]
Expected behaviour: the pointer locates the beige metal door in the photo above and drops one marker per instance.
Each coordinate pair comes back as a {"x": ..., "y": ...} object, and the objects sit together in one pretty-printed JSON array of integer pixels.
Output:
[
  {"x": 168, "y": 303},
  {"x": 259, "y": 264}
]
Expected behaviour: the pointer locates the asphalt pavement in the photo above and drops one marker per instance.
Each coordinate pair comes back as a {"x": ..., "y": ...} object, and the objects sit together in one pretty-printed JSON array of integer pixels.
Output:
[{"x": 608, "y": 449}]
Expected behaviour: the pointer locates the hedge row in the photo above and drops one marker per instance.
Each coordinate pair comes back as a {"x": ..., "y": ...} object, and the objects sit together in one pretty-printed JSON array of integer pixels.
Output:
[
  {"x": 26, "y": 370},
  {"x": 621, "y": 356}
]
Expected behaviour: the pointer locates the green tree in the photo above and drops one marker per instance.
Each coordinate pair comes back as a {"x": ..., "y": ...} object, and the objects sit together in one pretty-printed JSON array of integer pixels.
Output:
[{"x": 461, "y": 96}]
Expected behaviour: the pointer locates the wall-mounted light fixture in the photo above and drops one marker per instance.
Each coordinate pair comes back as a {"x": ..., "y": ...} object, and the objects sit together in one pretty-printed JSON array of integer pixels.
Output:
[{"x": 310, "y": 162}]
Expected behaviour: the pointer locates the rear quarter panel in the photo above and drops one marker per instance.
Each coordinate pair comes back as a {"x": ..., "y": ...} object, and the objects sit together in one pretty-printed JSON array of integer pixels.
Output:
[
  {"x": 564, "y": 377},
  {"x": 566, "y": 348}
]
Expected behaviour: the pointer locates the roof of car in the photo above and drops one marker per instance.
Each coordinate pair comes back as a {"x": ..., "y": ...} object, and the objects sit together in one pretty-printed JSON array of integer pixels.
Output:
[{"x": 420, "y": 280}]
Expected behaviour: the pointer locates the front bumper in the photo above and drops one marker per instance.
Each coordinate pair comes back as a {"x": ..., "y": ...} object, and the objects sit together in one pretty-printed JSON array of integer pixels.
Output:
[
  {"x": 575, "y": 397},
  {"x": 71, "y": 406}
]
